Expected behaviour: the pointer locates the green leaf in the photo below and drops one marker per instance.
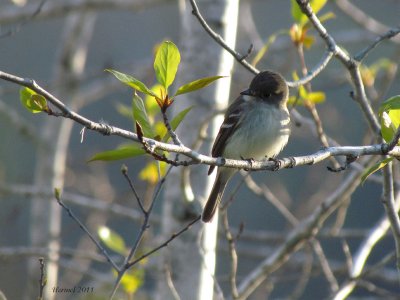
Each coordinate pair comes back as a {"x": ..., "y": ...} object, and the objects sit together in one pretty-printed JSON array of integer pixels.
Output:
[
  {"x": 261, "y": 53},
  {"x": 376, "y": 167},
  {"x": 151, "y": 104},
  {"x": 132, "y": 82},
  {"x": 166, "y": 63},
  {"x": 150, "y": 173},
  {"x": 196, "y": 85},
  {"x": 124, "y": 110},
  {"x": 389, "y": 114},
  {"x": 298, "y": 15},
  {"x": 140, "y": 116},
  {"x": 132, "y": 280},
  {"x": 176, "y": 121},
  {"x": 316, "y": 97},
  {"x": 112, "y": 240},
  {"x": 390, "y": 104},
  {"x": 32, "y": 101},
  {"x": 122, "y": 152}
]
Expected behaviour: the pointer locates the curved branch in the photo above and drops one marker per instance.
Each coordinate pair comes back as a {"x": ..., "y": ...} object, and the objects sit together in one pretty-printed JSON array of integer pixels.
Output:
[
  {"x": 351, "y": 64},
  {"x": 239, "y": 57},
  {"x": 196, "y": 157}
]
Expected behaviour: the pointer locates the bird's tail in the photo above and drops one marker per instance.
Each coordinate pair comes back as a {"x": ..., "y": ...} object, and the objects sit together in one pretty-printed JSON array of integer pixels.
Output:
[{"x": 215, "y": 196}]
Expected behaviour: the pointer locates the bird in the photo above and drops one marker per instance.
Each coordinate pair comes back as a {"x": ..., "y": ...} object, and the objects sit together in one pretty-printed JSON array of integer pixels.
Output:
[{"x": 256, "y": 125}]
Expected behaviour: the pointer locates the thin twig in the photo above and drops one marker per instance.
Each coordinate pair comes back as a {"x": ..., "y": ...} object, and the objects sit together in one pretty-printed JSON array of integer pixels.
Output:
[
  {"x": 239, "y": 57},
  {"x": 388, "y": 35},
  {"x": 232, "y": 253},
  {"x": 42, "y": 279},
  {"x": 28, "y": 19},
  {"x": 124, "y": 170},
  {"x": 164, "y": 244},
  {"x": 83, "y": 227},
  {"x": 143, "y": 228},
  {"x": 350, "y": 63},
  {"x": 170, "y": 130},
  {"x": 392, "y": 208}
]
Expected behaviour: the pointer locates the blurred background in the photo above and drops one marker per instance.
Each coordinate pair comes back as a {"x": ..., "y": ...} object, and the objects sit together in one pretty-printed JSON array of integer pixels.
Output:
[{"x": 66, "y": 45}]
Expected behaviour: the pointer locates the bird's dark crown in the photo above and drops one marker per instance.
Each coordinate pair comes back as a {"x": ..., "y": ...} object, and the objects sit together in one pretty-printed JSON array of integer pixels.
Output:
[{"x": 268, "y": 83}]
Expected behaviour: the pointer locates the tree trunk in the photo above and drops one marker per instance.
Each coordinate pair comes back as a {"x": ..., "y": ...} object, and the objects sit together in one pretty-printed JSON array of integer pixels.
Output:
[{"x": 191, "y": 258}]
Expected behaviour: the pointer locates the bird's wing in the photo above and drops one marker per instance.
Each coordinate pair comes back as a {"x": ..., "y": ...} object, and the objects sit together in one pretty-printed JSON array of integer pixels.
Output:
[{"x": 231, "y": 122}]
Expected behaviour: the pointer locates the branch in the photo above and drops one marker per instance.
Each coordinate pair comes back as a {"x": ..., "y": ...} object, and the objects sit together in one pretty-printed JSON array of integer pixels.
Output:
[
  {"x": 198, "y": 158},
  {"x": 164, "y": 244},
  {"x": 55, "y": 9},
  {"x": 239, "y": 57},
  {"x": 83, "y": 227},
  {"x": 362, "y": 18},
  {"x": 391, "y": 207},
  {"x": 299, "y": 235},
  {"x": 360, "y": 258},
  {"x": 242, "y": 58},
  {"x": 388, "y": 35},
  {"x": 351, "y": 64},
  {"x": 42, "y": 279}
]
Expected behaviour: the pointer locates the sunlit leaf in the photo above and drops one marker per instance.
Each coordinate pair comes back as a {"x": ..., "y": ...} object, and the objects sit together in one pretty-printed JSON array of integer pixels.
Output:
[
  {"x": 140, "y": 116},
  {"x": 176, "y": 121},
  {"x": 32, "y": 101},
  {"x": 263, "y": 51},
  {"x": 308, "y": 41},
  {"x": 122, "y": 152},
  {"x": 124, "y": 110},
  {"x": 166, "y": 63},
  {"x": 316, "y": 97},
  {"x": 326, "y": 16},
  {"x": 196, "y": 85},
  {"x": 150, "y": 102},
  {"x": 389, "y": 114},
  {"x": 132, "y": 280},
  {"x": 150, "y": 172},
  {"x": 376, "y": 167},
  {"x": 132, "y": 82},
  {"x": 390, "y": 104},
  {"x": 112, "y": 240},
  {"x": 298, "y": 15}
]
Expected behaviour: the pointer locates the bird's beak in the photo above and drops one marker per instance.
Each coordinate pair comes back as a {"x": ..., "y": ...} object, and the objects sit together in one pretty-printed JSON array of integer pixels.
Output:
[{"x": 246, "y": 92}]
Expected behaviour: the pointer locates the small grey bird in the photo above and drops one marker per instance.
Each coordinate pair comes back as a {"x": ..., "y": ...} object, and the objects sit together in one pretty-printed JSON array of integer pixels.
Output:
[{"x": 256, "y": 125}]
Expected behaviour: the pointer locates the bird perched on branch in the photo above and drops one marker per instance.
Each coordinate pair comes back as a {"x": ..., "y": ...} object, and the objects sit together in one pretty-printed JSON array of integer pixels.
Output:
[{"x": 256, "y": 125}]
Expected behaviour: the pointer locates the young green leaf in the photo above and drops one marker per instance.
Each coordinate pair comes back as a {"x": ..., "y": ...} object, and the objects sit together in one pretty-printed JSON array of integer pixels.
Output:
[
  {"x": 316, "y": 97},
  {"x": 122, "y": 152},
  {"x": 151, "y": 104},
  {"x": 389, "y": 114},
  {"x": 261, "y": 53},
  {"x": 112, "y": 240},
  {"x": 132, "y": 281},
  {"x": 132, "y": 82},
  {"x": 140, "y": 116},
  {"x": 298, "y": 15},
  {"x": 150, "y": 172},
  {"x": 32, "y": 101},
  {"x": 390, "y": 104},
  {"x": 376, "y": 167},
  {"x": 166, "y": 63},
  {"x": 176, "y": 121},
  {"x": 196, "y": 85}
]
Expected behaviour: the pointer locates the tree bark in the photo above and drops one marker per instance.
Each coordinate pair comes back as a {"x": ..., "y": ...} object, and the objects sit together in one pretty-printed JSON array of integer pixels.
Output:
[{"x": 191, "y": 258}]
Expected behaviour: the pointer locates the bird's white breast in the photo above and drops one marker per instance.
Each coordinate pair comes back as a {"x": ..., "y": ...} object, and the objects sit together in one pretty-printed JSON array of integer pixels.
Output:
[{"x": 263, "y": 132}]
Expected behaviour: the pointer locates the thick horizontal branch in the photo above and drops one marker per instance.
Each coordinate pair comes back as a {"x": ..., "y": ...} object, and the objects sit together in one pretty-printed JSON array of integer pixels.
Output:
[{"x": 196, "y": 157}]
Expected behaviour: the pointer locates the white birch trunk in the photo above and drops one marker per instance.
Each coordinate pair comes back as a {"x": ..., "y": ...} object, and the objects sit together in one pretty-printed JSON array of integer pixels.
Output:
[{"x": 191, "y": 259}]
